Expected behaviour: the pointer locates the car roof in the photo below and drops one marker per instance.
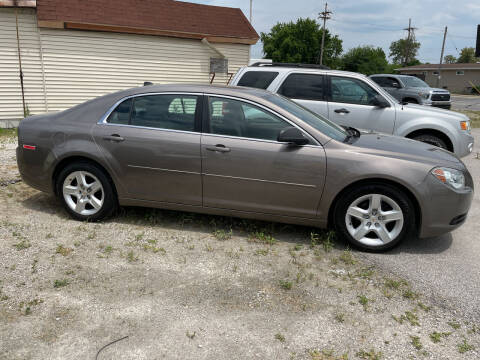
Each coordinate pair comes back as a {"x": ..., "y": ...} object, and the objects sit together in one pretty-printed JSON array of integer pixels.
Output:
[{"x": 284, "y": 69}]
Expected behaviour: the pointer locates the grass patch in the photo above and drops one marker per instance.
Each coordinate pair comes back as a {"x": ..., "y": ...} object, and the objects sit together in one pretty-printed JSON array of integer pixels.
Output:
[
  {"x": 363, "y": 300},
  {"x": 8, "y": 132},
  {"x": 436, "y": 337},
  {"x": 285, "y": 284},
  {"x": 463, "y": 347},
  {"x": 131, "y": 257},
  {"x": 22, "y": 245},
  {"x": 280, "y": 337},
  {"x": 454, "y": 325},
  {"x": 347, "y": 258},
  {"x": 416, "y": 342},
  {"x": 62, "y": 250},
  {"x": 408, "y": 316},
  {"x": 60, "y": 283},
  {"x": 369, "y": 355},
  {"x": 340, "y": 317},
  {"x": 222, "y": 235}
]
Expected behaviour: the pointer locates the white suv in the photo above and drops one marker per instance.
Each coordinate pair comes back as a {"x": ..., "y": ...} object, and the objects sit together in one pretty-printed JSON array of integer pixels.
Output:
[{"x": 352, "y": 99}]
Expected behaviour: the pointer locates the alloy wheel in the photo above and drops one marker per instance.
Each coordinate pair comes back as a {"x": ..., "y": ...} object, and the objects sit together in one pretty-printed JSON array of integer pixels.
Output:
[
  {"x": 374, "y": 219},
  {"x": 83, "y": 193}
]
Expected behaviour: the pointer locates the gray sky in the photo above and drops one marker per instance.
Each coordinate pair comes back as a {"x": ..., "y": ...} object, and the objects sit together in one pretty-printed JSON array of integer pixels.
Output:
[{"x": 375, "y": 22}]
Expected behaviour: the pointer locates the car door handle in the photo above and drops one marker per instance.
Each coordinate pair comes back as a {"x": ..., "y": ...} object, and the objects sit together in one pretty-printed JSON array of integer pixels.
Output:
[
  {"x": 114, "y": 137},
  {"x": 219, "y": 147},
  {"x": 341, "y": 111}
]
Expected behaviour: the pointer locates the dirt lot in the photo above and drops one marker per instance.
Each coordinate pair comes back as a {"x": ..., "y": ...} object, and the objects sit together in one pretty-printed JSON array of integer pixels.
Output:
[{"x": 200, "y": 287}]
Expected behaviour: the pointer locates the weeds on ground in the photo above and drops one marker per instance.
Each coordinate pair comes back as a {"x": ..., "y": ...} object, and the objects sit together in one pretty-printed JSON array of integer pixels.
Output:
[
  {"x": 416, "y": 342},
  {"x": 60, "y": 283},
  {"x": 285, "y": 284},
  {"x": 408, "y": 316},
  {"x": 363, "y": 300},
  {"x": 463, "y": 347},
  {"x": 280, "y": 337},
  {"x": 62, "y": 250},
  {"x": 22, "y": 245},
  {"x": 454, "y": 325},
  {"x": 131, "y": 257},
  {"x": 437, "y": 336},
  {"x": 222, "y": 235},
  {"x": 369, "y": 355}
]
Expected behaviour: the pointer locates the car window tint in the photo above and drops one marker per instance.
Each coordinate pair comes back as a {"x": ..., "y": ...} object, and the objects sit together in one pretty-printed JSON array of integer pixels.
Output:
[
  {"x": 379, "y": 80},
  {"x": 391, "y": 82},
  {"x": 351, "y": 91},
  {"x": 303, "y": 86},
  {"x": 174, "y": 112},
  {"x": 121, "y": 114},
  {"x": 257, "y": 79},
  {"x": 236, "y": 118}
]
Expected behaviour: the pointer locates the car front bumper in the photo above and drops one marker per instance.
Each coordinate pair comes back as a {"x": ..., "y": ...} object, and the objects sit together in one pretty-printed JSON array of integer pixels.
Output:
[
  {"x": 444, "y": 209},
  {"x": 465, "y": 144}
]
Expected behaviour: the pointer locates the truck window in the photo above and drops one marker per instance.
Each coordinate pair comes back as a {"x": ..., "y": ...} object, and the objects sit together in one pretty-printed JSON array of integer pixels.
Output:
[
  {"x": 303, "y": 86},
  {"x": 257, "y": 79}
]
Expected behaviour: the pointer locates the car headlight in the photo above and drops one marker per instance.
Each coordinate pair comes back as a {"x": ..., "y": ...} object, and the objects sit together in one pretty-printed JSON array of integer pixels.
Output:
[
  {"x": 465, "y": 125},
  {"x": 451, "y": 177},
  {"x": 424, "y": 95}
]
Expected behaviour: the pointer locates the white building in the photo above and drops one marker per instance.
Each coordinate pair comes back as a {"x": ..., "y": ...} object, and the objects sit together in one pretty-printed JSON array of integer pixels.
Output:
[{"x": 70, "y": 51}]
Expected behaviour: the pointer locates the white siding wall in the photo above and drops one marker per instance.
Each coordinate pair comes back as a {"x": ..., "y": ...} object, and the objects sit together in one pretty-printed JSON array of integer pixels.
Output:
[{"x": 79, "y": 65}]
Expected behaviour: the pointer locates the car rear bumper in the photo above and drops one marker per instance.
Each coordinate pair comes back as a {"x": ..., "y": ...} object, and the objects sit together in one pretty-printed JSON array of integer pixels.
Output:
[
  {"x": 31, "y": 170},
  {"x": 444, "y": 209}
]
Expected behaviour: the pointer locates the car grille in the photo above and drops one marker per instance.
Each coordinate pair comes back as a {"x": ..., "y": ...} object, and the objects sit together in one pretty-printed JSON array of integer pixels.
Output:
[{"x": 440, "y": 97}]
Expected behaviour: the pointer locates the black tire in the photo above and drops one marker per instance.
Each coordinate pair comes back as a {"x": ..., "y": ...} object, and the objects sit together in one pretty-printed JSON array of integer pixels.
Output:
[
  {"x": 432, "y": 140},
  {"x": 394, "y": 193},
  {"x": 110, "y": 202}
]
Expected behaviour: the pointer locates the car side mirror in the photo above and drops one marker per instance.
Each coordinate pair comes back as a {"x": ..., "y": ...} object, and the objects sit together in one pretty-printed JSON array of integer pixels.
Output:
[
  {"x": 379, "y": 101},
  {"x": 292, "y": 135}
]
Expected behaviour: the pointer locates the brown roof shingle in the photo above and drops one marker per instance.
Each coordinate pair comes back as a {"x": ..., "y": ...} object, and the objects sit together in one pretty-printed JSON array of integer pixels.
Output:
[{"x": 148, "y": 16}]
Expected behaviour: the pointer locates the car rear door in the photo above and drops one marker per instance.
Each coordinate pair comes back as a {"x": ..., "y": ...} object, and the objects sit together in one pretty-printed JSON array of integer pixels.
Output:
[
  {"x": 306, "y": 89},
  {"x": 246, "y": 169},
  {"x": 152, "y": 144},
  {"x": 350, "y": 104}
]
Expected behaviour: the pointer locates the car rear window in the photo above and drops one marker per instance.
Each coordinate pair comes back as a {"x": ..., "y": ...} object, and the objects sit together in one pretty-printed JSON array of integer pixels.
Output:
[
  {"x": 257, "y": 79},
  {"x": 303, "y": 86}
]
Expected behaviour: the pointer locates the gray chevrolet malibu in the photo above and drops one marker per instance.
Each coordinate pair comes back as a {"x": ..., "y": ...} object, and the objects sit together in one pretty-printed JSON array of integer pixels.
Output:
[{"x": 242, "y": 152}]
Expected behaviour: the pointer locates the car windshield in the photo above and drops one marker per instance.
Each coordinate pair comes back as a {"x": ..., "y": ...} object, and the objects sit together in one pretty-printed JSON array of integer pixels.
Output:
[
  {"x": 314, "y": 120},
  {"x": 412, "y": 81}
]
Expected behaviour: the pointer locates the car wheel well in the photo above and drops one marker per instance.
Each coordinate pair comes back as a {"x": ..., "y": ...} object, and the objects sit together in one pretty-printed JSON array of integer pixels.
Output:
[
  {"x": 433, "y": 132},
  {"x": 411, "y": 100},
  {"x": 377, "y": 181},
  {"x": 76, "y": 159}
]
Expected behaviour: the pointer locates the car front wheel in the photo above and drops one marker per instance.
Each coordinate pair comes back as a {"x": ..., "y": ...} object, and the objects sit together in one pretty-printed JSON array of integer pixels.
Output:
[
  {"x": 374, "y": 217},
  {"x": 86, "y": 192}
]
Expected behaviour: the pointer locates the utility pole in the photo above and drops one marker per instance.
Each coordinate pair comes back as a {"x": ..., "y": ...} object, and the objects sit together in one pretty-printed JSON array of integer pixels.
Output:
[
  {"x": 250, "y": 11},
  {"x": 410, "y": 37},
  {"x": 441, "y": 58},
  {"x": 325, "y": 15}
]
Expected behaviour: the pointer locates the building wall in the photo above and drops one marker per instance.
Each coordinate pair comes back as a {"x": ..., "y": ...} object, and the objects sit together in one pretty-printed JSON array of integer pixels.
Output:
[
  {"x": 454, "y": 83},
  {"x": 65, "y": 67}
]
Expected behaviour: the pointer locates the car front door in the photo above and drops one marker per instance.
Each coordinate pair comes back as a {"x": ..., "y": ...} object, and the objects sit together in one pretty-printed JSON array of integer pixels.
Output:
[
  {"x": 152, "y": 144},
  {"x": 245, "y": 168},
  {"x": 307, "y": 90},
  {"x": 350, "y": 103}
]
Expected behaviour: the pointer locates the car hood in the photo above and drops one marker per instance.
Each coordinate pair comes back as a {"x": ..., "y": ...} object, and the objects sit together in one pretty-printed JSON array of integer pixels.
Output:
[
  {"x": 406, "y": 149},
  {"x": 428, "y": 89},
  {"x": 415, "y": 110}
]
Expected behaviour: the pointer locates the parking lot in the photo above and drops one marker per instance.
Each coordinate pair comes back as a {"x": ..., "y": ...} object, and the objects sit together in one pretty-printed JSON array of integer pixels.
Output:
[
  {"x": 187, "y": 286},
  {"x": 466, "y": 102}
]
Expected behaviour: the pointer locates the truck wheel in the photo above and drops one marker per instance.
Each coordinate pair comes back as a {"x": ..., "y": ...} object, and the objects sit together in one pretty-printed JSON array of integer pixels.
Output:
[{"x": 432, "y": 140}]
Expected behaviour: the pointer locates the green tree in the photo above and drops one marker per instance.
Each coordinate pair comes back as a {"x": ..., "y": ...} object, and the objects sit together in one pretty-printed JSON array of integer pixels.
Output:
[
  {"x": 467, "y": 55},
  {"x": 300, "y": 43},
  {"x": 405, "y": 51},
  {"x": 449, "y": 59},
  {"x": 365, "y": 59}
]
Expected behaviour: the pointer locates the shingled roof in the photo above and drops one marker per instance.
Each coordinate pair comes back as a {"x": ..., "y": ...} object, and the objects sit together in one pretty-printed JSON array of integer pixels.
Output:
[{"x": 153, "y": 17}]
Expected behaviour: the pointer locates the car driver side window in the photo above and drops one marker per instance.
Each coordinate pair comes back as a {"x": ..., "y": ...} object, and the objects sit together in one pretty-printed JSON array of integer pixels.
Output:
[
  {"x": 351, "y": 91},
  {"x": 238, "y": 118}
]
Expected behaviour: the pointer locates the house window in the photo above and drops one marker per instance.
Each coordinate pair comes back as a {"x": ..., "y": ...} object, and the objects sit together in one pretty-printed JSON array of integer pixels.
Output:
[
  {"x": 460, "y": 72},
  {"x": 424, "y": 73},
  {"x": 435, "y": 73}
]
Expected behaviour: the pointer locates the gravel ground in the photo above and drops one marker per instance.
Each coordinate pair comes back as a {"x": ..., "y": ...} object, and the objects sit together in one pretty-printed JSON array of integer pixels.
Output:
[{"x": 184, "y": 286}]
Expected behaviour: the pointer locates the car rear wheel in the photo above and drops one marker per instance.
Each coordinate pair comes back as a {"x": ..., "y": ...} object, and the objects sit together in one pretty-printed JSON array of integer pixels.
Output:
[
  {"x": 374, "y": 217},
  {"x": 86, "y": 192},
  {"x": 432, "y": 140}
]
